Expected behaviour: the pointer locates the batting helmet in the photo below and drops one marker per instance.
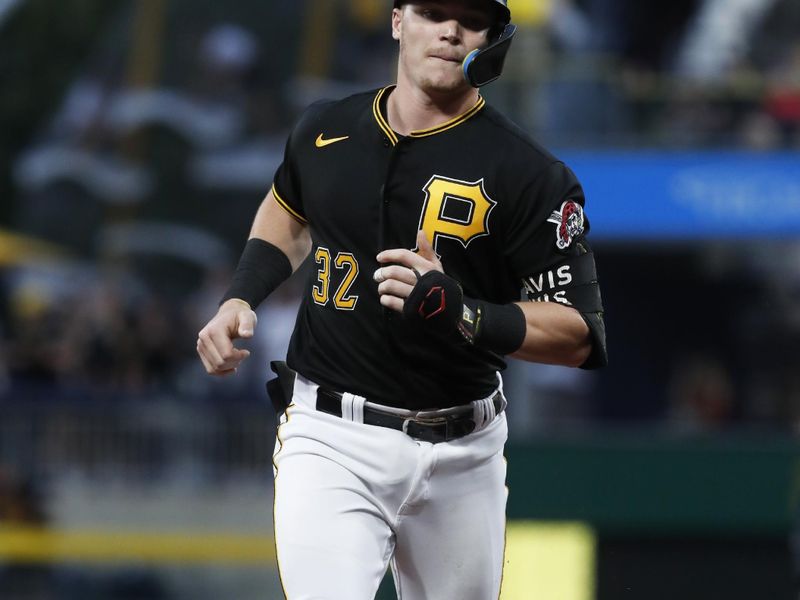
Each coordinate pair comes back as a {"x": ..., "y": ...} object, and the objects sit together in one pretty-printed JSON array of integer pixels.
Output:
[
  {"x": 500, "y": 6},
  {"x": 485, "y": 65}
]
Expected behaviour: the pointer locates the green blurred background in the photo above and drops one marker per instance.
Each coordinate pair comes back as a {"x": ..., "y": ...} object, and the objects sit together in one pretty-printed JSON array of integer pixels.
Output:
[{"x": 137, "y": 138}]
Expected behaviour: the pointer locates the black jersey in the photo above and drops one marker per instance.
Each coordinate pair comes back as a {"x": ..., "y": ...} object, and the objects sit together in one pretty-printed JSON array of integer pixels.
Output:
[{"x": 501, "y": 212}]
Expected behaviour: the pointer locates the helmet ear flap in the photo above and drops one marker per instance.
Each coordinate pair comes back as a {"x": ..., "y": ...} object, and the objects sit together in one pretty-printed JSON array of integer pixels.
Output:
[
  {"x": 481, "y": 67},
  {"x": 495, "y": 31}
]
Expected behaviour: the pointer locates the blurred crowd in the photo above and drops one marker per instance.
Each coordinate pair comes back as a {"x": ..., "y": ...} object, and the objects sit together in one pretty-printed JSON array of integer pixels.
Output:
[{"x": 132, "y": 198}]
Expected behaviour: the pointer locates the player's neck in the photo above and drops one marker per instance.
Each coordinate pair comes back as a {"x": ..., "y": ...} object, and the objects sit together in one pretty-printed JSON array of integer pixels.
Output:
[{"x": 412, "y": 109}]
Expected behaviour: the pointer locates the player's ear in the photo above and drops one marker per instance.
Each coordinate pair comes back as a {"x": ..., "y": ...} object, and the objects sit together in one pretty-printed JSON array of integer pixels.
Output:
[{"x": 397, "y": 21}]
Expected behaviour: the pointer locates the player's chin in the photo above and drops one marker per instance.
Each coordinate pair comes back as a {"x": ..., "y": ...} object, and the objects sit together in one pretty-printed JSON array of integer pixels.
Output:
[
  {"x": 444, "y": 81},
  {"x": 447, "y": 89}
]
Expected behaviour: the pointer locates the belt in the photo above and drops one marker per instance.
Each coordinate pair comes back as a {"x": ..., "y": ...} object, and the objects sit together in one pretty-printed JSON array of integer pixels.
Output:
[{"x": 432, "y": 426}]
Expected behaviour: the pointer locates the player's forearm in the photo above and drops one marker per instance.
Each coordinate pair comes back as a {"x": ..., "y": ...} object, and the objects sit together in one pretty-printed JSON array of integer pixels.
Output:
[
  {"x": 277, "y": 246},
  {"x": 274, "y": 225},
  {"x": 555, "y": 334},
  {"x": 545, "y": 332}
]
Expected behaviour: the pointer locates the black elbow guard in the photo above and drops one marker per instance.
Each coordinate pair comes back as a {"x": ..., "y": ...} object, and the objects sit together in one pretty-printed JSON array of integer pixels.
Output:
[
  {"x": 597, "y": 331},
  {"x": 573, "y": 282}
]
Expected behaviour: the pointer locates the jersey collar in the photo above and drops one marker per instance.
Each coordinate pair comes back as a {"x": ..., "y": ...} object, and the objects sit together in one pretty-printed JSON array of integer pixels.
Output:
[{"x": 379, "y": 103}]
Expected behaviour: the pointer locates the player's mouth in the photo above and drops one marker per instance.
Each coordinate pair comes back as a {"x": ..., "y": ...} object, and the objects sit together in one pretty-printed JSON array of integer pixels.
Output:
[{"x": 447, "y": 58}]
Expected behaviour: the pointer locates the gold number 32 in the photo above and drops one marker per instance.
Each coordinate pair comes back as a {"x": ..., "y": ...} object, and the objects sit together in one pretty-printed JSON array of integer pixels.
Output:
[{"x": 344, "y": 261}]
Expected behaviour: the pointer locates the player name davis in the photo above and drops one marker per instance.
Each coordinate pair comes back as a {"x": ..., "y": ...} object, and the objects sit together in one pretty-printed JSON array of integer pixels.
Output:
[{"x": 544, "y": 287}]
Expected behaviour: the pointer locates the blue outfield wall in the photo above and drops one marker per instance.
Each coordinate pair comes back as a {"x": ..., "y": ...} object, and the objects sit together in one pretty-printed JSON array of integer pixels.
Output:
[{"x": 700, "y": 195}]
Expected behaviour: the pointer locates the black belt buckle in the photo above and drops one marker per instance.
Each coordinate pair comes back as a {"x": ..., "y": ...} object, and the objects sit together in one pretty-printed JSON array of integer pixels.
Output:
[
  {"x": 442, "y": 431},
  {"x": 425, "y": 432},
  {"x": 428, "y": 428}
]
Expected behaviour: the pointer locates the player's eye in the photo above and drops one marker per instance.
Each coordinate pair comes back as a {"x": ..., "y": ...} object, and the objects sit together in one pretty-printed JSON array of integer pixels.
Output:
[
  {"x": 475, "y": 23},
  {"x": 475, "y": 20},
  {"x": 432, "y": 14},
  {"x": 472, "y": 25}
]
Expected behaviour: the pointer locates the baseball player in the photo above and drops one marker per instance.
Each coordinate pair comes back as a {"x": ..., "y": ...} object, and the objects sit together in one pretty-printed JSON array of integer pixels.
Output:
[{"x": 426, "y": 213}]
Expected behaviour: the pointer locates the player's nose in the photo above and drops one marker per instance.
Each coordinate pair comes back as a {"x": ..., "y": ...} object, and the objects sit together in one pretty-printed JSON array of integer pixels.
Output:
[{"x": 450, "y": 31}]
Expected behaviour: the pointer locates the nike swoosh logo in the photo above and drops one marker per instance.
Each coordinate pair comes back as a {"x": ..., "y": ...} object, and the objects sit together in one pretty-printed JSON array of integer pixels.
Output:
[{"x": 321, "y": 142}]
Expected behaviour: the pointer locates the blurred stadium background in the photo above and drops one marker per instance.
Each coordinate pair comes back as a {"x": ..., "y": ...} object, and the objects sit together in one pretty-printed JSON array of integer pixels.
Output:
[{"x": 137, "y": 139}]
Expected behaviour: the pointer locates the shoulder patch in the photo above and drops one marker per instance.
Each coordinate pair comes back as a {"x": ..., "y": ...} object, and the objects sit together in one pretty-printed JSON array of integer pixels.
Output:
[{"x": 570, "y": 223}]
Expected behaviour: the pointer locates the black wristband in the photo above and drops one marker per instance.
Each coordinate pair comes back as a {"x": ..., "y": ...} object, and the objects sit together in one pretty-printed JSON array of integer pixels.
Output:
[
  {"x": 439, "y": 303},
  {"x": 262, "y": 268},
  {"x": 499, "y": 328}
]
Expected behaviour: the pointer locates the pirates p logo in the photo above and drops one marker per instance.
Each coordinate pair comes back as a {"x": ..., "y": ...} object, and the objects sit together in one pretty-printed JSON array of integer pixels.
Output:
[{"x": 455, "y": 209}]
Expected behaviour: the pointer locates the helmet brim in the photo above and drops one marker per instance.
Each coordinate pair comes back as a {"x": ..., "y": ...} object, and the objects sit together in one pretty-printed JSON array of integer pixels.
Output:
[{"x": 500, "y": 7}]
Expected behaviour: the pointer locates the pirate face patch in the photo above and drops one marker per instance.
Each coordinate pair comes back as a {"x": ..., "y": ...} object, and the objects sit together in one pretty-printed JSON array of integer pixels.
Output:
[{"x": 569, "y": 223}]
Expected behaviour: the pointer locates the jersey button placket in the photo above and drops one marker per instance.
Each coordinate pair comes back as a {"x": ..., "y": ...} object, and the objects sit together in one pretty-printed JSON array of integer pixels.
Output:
[{"x": 384, "y": 204}]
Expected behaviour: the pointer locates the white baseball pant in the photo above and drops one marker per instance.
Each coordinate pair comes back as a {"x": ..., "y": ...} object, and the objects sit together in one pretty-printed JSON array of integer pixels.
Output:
[{"x": 350, "y": 498}]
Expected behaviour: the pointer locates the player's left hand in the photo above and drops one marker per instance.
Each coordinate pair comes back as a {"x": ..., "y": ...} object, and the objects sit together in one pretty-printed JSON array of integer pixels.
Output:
[{"x": 397, "y": 279}]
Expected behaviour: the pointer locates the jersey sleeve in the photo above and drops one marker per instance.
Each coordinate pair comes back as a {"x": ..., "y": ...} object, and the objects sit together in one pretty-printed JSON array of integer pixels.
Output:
[
  {"x": 549, "y": 255},
  {"x": 287, "y": 183},
  {"x": 535, "y": 240}
]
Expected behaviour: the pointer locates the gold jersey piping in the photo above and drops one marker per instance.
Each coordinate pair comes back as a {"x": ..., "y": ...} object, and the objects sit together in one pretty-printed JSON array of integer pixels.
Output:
[
  {"x": 292, "y": 213},
  {"x": 454, "y": 122}
]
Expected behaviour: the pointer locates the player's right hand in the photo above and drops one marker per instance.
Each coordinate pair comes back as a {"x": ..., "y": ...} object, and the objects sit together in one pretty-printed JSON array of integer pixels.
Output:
[
  {"x": 397, "y": 280},
  {"x": 234, "y": 319}
]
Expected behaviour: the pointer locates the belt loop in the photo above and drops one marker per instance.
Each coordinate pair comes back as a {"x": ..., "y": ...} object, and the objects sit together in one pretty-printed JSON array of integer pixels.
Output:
[
  {"x": 347, "y": 406},
  {"x": 358, "y": 408},
  {"x": 483, "y": 412},
  {"x": 353, "y": 407}
]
